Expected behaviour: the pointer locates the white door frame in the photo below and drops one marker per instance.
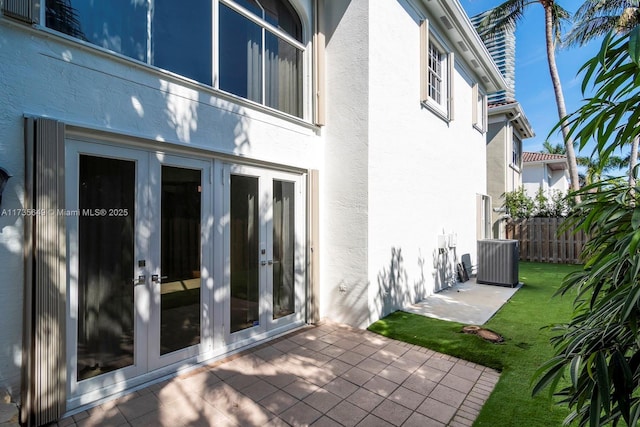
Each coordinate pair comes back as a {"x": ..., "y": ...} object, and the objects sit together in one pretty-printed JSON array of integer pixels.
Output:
[
  {"x": 89, "y": 389},
  {"x": 147, "y": 247},
  {"x": 267, "y": 325},
  {"x": 157, "y": 160}
]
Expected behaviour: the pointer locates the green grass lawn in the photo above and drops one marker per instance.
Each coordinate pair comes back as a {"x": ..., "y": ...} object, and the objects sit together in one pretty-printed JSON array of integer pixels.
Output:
[{"x": 525, "y": 348}]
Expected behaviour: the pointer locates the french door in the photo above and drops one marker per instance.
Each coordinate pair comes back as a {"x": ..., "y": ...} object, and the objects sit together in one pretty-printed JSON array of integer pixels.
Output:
[
  {"x": 264, "y": 251},
  {"x": 138, "y": 263},
  {"x": 146, "y": 292}
]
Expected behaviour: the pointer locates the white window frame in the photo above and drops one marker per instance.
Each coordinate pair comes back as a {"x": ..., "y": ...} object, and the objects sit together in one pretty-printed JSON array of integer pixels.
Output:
[
  {"x": 479, "y": 113},
  {"x": 37, "y": 15},
  {"x": 516, "y": 152},
  {"x": 428, "y": 41}
]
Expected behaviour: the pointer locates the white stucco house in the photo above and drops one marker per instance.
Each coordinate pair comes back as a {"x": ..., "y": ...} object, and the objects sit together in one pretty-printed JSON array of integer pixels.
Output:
[
  {"x": 508, "y": 127},
  {"x": 547, "y": 171},
  {"x": 190, "y": 181}
]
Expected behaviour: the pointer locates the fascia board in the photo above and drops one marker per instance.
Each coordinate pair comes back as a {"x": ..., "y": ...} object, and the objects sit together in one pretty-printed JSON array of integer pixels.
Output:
[{"x": 464, "y": 31}]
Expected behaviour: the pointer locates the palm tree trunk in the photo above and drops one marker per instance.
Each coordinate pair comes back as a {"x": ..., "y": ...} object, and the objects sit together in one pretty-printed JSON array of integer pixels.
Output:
[{"x": 557, "y": 88}]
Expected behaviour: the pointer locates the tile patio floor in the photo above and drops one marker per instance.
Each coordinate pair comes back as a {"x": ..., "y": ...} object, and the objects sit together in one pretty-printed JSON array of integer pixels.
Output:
[{"x": 327, "y": 375}]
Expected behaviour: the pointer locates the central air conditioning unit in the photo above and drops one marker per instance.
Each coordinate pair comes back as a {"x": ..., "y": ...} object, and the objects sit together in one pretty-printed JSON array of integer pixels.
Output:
[{"x": 498, "y": 262}]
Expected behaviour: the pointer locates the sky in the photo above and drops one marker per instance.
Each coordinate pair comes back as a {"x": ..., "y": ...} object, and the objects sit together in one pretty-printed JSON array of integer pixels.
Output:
[{"x": 534, "y": 90}]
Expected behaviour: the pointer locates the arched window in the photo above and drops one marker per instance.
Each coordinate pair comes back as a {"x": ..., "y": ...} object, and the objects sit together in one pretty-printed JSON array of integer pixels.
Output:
[
  {"x": 259, "y": 48},
  {"x": 261, "y": 53}
]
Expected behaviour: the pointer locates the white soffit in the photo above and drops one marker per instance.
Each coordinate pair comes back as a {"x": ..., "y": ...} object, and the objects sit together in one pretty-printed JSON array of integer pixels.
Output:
[{"x": 459, "y": 29}]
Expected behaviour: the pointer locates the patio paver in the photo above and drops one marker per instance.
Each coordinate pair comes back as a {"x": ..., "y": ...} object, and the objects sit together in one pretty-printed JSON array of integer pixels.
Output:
[{"x": 326, "y": 375}]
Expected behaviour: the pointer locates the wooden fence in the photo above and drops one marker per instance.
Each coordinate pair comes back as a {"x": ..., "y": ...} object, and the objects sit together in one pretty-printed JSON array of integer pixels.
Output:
[{"x": 540, "y": 241}]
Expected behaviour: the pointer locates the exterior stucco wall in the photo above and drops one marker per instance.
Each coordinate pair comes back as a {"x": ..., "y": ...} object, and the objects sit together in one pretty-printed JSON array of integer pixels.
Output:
[
  {"x": 534, "y": 176},
  {"x": 45, "y": 75},
  {"x": 424, "y": 173},
  {"x": 560, "y": 180},
  {"x": 540, "y": 175},
  {"x": 497, "y": 165},
  {"x": 345, "y": 198}
]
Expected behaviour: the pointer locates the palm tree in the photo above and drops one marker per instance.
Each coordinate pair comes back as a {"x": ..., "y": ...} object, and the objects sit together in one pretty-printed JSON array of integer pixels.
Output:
[
  {"x": 594, "y": 19},
  {"x": 595, "y": 167},
  {"x": 505, "y": 16},
  {"x": 549, "y": 148}
]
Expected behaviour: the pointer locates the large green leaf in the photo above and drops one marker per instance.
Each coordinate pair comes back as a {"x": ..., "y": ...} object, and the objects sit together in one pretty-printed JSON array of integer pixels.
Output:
[{"x": 634, "y": 45}]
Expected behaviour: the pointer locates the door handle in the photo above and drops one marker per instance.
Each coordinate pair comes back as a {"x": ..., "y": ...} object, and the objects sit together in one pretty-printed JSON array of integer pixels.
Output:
[
  {"x": 140, "y": 280},
  {"x": 157, "y": 278}
]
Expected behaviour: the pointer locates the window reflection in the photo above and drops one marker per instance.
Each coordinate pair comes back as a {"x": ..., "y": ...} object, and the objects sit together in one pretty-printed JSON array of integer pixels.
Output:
[
  {"x": 117, "y": 25},
  {"x": 180, "y": 259},
  {"x": 105, "y": 266},
  {"x": 245, "y": 285},
  {"x": 255, "y": 61},
  {"x": 284, "y": 245},
  {"x": 240, "y": 55},
  {"x": 183, "y": 49},
  {"x": 283, "y": 76}
]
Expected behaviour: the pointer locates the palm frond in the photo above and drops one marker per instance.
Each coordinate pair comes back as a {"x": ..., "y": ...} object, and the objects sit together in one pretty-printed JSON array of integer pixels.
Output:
[
  {"x": 596, "y": 18},
  {"x": 502, "y": 18},
  {"x": 560, "y": 17},
  {"x": 590, "y": 29},
  {"x": 593, "y": 8}
]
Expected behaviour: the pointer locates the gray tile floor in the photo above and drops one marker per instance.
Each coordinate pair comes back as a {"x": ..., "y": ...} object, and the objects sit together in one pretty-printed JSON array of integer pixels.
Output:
[{"x": 327, "y": 375}]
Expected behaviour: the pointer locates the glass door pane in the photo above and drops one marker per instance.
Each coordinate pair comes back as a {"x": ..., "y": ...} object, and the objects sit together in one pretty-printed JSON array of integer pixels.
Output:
[
  {"x": 244, "y": 268},
  {"x": 180, "y": 258},
  {"x": 283, "y": 248},
  {"x": 106, "y": 313}
]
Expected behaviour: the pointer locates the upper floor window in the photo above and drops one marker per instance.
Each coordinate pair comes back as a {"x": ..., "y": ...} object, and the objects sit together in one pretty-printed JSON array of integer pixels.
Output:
[
  {"x": 516, "y": 154},
  {"x": 436, "y": 65},
  {"x": 479, "y": 113},
  {"x": 436, "y": 77},
  {"x": 259, "y": 52}
]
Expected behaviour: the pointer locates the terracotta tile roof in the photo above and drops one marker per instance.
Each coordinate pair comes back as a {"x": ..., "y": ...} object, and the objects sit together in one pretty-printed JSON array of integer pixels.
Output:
[
  {"x": 541, "y": 157},
  {"x": 501, "y": 103}
]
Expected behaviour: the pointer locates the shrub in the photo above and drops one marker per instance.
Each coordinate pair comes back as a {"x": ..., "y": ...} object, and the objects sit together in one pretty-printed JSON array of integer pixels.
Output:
[{"x": 519, "y": 205}]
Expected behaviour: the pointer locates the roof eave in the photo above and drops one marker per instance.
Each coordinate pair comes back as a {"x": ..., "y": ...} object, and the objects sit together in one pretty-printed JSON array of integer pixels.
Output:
[
  {"x": 514, "y": 109},
  {"x": 469, "y": 44}
]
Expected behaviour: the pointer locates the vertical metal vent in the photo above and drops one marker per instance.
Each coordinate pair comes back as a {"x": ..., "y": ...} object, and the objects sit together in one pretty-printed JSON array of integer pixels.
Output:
[
  {"x": 23, "y": 10},
  {"x": 498, "y": 262}
]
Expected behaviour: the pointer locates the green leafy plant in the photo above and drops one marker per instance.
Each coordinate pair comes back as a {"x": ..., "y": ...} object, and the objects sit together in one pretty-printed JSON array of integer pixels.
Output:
[
  {"x": 598, "y": 350},
  {"x": 541, "y": 203},
  {"x": 599, "y": 347},
  {"x": 518, "y": 204}
]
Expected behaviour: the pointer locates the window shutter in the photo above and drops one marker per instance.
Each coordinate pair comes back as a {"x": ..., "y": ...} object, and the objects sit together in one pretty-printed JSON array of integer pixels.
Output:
[
  {"x": 319, "y": 66},
  {"x": 44, "y": 357},
  {"x": 451, "y": 61},
  {"x": 23, "y": 10},
  {"x": 474, "y": 105},
  {"x": 313, "y": 236},
  {"x": 424, "y": 60}
]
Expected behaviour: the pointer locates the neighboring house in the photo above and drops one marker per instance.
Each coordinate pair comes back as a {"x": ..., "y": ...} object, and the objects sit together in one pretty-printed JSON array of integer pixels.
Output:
[
  {"x": 547, "y": 171},
  {"x": 188, "y": 182},
  {"x": 508, "y": 127}
]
